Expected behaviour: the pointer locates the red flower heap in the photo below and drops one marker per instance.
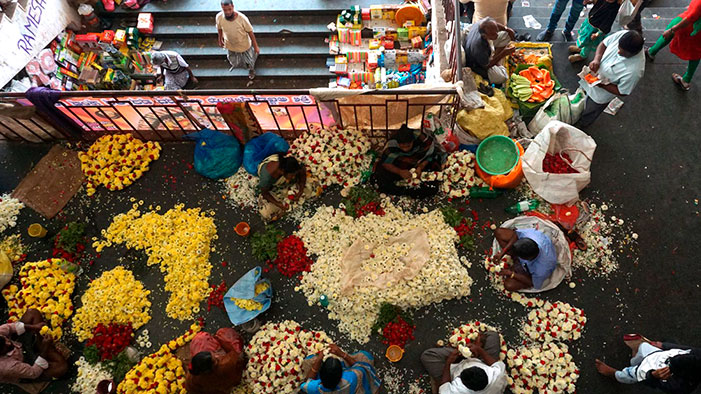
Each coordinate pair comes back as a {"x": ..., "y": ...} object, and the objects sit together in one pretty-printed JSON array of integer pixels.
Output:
[
  {"x": 398, "y": 332},
  {"x": 292, "y": 257},
  {"x": 111, "y": 340}
]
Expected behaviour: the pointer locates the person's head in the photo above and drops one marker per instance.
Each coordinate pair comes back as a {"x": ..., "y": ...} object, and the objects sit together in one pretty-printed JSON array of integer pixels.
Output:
[
  {"x": 405, "y": 138},
  {"x": 489, "y": 28},
  {"x": 474, "y": 378},
  {"x": 526, "y": 248},
  {"x": 227, "y": 6},
  {"x": 630, "y": 44},
  {"x": 158, "y": 58},
  {"x": 5, "y": 345},
  {"x": 330, "y": 373},
  {"x": 288, "y": 166},
  {"x": 686, "y": 366},
  {"x": 202, "y": 362}
]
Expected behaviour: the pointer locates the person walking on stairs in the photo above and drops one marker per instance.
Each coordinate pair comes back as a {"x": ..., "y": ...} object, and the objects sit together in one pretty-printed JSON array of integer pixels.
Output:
[
  {"x": 558, "y": 9},
  {"x": 235, "y": 34}
]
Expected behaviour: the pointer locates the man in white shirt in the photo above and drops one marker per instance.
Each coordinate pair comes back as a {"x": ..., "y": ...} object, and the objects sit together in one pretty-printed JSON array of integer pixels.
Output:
[
  {"x": 620, "y": 62},
  {"x": 482, "y": 373}
]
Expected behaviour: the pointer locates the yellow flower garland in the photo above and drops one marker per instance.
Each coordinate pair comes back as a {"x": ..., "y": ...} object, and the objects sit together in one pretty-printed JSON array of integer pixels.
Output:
[
  {"x": 114, "y": 297},
  {"x": 116, "y": 161},
  {"x": 251, "y": 305},
  {"x": 161, "y": 372},
  {"x": 46, "y": 287},
  {"x": 179, "y": 241}
]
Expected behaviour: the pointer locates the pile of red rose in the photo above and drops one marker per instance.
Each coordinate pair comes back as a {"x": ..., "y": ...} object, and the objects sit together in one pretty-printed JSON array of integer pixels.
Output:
[
  {"x": 291, "y": 257},
  {"x": 216, "y": 297},
  {"x": 558, "y": 164},
  {"x": 398, "y": 332},
  {"x": 110, "y": 340}
]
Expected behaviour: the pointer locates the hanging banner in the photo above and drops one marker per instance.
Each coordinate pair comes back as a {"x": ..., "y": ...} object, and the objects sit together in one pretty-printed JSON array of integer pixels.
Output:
[{"x": 31, "y": 30}]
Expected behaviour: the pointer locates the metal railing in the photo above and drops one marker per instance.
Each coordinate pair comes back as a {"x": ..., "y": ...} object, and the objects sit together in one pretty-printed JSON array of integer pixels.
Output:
[
  {"x": 159, "y": 115},
  {"x": 451, "y": 9}
]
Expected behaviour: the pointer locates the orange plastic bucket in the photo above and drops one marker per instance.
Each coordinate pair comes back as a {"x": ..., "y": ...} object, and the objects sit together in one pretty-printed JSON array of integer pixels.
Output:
[
  {"x": 242, "y": 229},
  {"x": 394, "y": 353},
  {"x": 506, "y": 181}
]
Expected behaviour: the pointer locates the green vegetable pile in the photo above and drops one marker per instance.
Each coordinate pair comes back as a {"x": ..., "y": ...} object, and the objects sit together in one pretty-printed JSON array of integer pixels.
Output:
[{"x": 358, "y": 197}]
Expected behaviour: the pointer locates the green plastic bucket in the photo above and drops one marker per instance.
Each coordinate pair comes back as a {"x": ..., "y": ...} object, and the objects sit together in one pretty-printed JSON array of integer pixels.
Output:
[{"x": 497, "y": 155}]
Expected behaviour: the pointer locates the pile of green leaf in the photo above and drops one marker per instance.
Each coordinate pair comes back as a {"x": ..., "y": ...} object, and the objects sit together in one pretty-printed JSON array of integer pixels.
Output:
[
  {"x": 117, "y": 367},
  {"x": 265, "y": 242},
  {"x": 388, "y": 313},
  {"x": 461, "y": 225},
  {"x": 70, "y": 236},
  {"x": 358, "y": 197}
]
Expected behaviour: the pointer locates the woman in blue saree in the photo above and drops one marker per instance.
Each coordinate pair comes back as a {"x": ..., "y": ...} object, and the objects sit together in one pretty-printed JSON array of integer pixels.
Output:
[{"x": 352, "y": 374}]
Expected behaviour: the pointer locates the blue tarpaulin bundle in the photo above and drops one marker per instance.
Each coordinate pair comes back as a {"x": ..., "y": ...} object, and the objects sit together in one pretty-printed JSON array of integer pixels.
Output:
[
  {"x": 257, "y": 149},
  {"x": 217, "y": 155}
]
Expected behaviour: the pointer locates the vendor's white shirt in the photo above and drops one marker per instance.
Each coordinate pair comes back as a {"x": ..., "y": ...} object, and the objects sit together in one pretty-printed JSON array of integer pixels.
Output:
[
  {"x": 625, "y": 72},
  {"x": 657, "y": 360},
  {"x": 496, "y": 376}
]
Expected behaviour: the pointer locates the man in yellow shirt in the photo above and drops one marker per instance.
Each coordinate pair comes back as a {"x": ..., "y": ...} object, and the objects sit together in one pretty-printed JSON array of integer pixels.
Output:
[{"x": 236, "y": 35}]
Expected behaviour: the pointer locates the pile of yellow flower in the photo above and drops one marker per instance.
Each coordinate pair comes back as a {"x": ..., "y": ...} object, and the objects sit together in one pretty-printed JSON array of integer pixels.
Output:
[
  {"x": 114, "y": 297},
  {"x": 46, "y": 287},
  {"x": 116, "y": 161},
  {"x": 251, "y": 305},
  {"x": 179, "y": 241},
  {"x": 12, "y": 247},
  {"x": 161, "y": 372}
]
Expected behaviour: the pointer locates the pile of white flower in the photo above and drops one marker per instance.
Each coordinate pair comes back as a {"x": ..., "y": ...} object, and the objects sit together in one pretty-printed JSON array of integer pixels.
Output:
[
  {"x": 89, "y": 376},
  {"x": 457, "y": 177},
  {"x": 603, "y": 235},
  {"x": 543, "y": 368},
  {"x": 241, "y": 189},
  {"x": 333, "y": 155},
  {"x": 275, "y": 355},
  {"x": 558, "y": 321},
  {"x": 329, "y": 233},
  {"x": 9, "y": 209},
  {"x": 493, "y": 268},
  {"x": 468, "y": 333}
]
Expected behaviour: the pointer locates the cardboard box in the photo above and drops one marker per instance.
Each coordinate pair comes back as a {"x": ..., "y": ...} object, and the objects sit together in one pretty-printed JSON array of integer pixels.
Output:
[{"x": 144, "y": 23}]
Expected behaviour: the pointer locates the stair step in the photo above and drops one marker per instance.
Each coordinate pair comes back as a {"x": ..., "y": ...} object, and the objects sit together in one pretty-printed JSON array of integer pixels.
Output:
[
  {"x": 544, "y": 12},
  {"x": 519, "y": 25},
  {"x": 175, "y": 7},
  {"x": 269, "y": 46},
  {"x": 303, "y": 68}
]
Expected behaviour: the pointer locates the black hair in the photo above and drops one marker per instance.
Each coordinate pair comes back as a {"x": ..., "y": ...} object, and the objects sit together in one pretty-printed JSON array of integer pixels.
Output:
[
  {"x": 330, "y": 373},
  {"x": 484, "y": 22},
  {"x": 201, "y": 363},
  {"x": 474, "y": 378},
  {"x": 404, "y": 135},
  {"x": 632, "y": 42},
  {"x": 686, "y": 366},
  {"x": 526, "y": 248},
  {"x": 288, "y": 164}
]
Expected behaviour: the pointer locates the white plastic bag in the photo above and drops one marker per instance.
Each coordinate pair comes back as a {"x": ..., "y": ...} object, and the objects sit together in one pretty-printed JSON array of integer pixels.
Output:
[
  {"x": 627, "y": 11},
  {"x": 562, "y": 248},
  {"x": 562, "y": 107},
  {"x": 559, "y": 137}
]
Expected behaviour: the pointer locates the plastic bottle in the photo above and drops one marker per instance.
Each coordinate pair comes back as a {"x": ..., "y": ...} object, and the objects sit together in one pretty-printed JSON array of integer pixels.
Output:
[
  {"x": 523, "y": 206},
  {"x": 484, "y": 192},
  {"x": 324, "y": 300}
]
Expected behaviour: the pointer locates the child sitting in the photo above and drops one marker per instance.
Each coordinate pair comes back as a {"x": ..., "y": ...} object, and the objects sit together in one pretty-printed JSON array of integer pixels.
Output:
[{"x": 594, "y": 28}]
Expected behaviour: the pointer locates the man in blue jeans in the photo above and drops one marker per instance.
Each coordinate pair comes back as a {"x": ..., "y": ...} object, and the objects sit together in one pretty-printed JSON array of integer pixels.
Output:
[{"x": 560, "y": 5}]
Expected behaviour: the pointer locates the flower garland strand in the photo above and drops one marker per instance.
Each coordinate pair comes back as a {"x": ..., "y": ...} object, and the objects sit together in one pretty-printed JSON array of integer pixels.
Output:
[
  {"x": 469, "y": 332},
  {"x": 558, "y": 321},
  {"x": 545, "y": 368},
  {"x": 179, "y": 241},
  {"x": 45, "y": 287}
]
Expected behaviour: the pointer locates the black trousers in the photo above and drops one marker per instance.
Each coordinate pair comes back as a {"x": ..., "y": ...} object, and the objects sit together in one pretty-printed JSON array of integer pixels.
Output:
[{"x": 591, "y": 113}]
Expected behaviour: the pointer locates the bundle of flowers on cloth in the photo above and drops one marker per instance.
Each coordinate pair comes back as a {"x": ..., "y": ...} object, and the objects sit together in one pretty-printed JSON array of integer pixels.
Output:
[
  {"x": 116, "y": 161},
  {"x": 408, "y": 260},
  {"x": 9, "y": 209},
  {"x": 333, "y": 155},
  {"x": 558, "y": 321},
  {"x": 545, "y": 368},
  {"x": 457, "y": 177},
  {"x": 275, "y": 355},
  {"x": 179, "y": 241},
  {"x": 45, "y": 287},
  {"x": 468, "y": 333}
]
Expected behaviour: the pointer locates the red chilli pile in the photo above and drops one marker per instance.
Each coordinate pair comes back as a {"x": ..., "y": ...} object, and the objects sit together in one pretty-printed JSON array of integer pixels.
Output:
[
  {"x": 291, "y": 257},
  {"x": 558, "y": 164}
]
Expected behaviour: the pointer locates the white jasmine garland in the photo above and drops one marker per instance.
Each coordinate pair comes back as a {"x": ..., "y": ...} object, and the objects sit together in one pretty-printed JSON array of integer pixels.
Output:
[
  {"x": 330, "y": 232},
  {"x": 457, "y": 177},
  {"x": 468, "y": 333},
  {"x": 558, "y": 321},
  {"x": 241, "y": 189},
  {"x": 493, "y": 268},
  {"x": 9, "y": 209},
  {"x": 89, "y": 376},
  {"x": 543, "y": 368}
]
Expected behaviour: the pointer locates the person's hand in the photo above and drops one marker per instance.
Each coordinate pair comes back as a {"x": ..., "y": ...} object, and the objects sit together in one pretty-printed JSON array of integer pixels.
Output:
[
  {"x": 453, "y": 356},
  {"x": 668, "y": 34},
  {"x": 594, "y": 36},
  {"x": 662, "y": 373},
  {"x": 594, "y": 66},
  {"x": 194, "y": 80},
  {"x": 406, "y": 174},
  {"x": 221, "y": 42},
  {"x": 257, "y": 50},
  {"x": 335, "y": 350},
  {"x": 511, "y": 33},
  {"x": 34, "y": 327},
  {"x": 481, "y": 339},
  {"x": 509, "y": 50},
  {"x": 475, "y": 348},
  {"x": 159, "y": 79},
  {"x": 44, "y": 344},
  {"x": 506, "y": 272}
]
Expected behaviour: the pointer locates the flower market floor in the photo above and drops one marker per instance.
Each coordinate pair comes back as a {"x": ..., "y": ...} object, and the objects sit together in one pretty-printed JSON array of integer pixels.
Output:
[{"x": 646, "y": 169}]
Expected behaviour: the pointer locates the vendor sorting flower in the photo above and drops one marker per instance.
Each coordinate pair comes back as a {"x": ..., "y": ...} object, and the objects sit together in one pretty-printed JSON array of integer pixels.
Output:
[
  {"x": 217, "y": 362},
  {"x": 353, "y": 374},
  {"x": 533, "y": 254},
  {"x": 27, "y": 357},
  {"x": 480, "y": 373},
  {"x": 277, "y": 170},
  {"x": 174, "y": 71},
  {"x": 408, "y": 149}
]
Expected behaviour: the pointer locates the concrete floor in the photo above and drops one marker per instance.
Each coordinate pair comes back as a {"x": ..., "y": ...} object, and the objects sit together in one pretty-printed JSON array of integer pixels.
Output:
[{"x": 645, "y": 165}]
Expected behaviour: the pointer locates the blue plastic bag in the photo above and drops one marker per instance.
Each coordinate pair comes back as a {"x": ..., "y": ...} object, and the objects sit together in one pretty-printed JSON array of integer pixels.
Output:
[
  {"x": 257, "y": 149},
  {"x": 245, "y": 288},
  {"x": 217, "y": 155}
]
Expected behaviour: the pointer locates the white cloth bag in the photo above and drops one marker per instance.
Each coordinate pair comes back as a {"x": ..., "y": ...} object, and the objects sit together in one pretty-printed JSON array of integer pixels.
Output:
[
  {"x": 562, "y": 107},
  {"x": 559, "y": 137},
  {"x": 627, "y": 11}
]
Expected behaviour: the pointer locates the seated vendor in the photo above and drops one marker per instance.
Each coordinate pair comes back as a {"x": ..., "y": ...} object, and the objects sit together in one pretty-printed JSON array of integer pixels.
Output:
[
  {"x": 408, "y": 149},
  {"x": 217, "y": 362},
  {"x": 486, "y": 46},
  {"x": 353, "y": 374},
  {"x": 26, "y": 356},
  {"x": 275, "y": 171},
  {"x": 533, "y": 254}
]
